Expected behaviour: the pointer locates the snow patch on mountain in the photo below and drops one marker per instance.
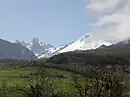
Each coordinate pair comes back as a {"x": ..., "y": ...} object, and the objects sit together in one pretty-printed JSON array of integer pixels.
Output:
[
  {"x": 50, "y": 52},
  {"x": 85, "y": 43}
]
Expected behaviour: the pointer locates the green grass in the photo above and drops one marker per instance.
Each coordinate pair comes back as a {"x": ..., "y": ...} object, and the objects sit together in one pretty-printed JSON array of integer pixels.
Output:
[
  {"x": 17, "y": 72},
  {"x": 12, "y": 77}
]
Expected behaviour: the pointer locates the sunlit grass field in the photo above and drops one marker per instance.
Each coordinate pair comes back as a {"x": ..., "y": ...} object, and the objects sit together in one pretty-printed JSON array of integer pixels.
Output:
[{"x": 13, "y": 77}]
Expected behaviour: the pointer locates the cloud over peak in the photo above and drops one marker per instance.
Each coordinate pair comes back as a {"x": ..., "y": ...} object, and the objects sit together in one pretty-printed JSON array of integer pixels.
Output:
[{"x": 114, "y": 21}]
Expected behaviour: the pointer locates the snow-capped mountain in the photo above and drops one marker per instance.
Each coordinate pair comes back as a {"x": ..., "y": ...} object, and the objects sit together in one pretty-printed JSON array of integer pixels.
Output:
[
  {"x": 36, "y": 46},
  {"x": 40, "y": 49},
  {"x": 85, "y": 43},
  {"x": 50, "y": 52}
]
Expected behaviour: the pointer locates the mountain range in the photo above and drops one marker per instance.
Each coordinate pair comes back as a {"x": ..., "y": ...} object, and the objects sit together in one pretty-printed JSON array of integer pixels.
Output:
[
  {"x": 35, "y": 49},
  {"x": 40, "y": 49},
  {"x": 85, "y": 42}
]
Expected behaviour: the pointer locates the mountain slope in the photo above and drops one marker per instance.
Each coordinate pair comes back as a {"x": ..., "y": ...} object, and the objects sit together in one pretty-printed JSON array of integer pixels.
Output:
[
  {"x": 126, "y": 41},
  {"x": 50, "y": 52},
  {"x": 110, "y": 55},
  {"x": 40, "y": 49},
  {"x": 84, "y": 43},
  {"x": 10, "y": 50},
  {"x": 36, "y": 46}
]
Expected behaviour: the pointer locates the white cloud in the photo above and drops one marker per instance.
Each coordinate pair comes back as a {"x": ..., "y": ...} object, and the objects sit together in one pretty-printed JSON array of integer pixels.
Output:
[
  {"x": 102, "y": 5},
  {"x": 114, "y": 23}
]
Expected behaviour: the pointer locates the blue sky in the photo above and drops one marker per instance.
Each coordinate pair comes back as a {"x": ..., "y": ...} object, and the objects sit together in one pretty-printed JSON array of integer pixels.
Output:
[{"x": 53, "y": 21}]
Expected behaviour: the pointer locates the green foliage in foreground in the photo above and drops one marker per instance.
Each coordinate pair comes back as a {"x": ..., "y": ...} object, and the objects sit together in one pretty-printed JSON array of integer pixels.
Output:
[{"x": 46, "y": 83}]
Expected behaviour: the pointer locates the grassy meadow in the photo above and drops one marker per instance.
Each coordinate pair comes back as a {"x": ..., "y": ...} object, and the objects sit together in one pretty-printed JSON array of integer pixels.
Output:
[
  {"x": 58, "y": 82},
  {"x": 16, "y": 76}
]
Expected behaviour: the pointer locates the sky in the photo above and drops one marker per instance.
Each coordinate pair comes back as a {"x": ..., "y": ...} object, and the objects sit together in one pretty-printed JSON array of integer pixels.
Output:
[
  {"x": 63, "y": 21},
  {"x": 52, "y": 21}
]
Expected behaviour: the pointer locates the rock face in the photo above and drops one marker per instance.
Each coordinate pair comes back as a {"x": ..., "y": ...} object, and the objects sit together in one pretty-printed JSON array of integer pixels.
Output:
[
  {"x": 40, "y": 49},
  {"x": 10, "y": 50}
]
